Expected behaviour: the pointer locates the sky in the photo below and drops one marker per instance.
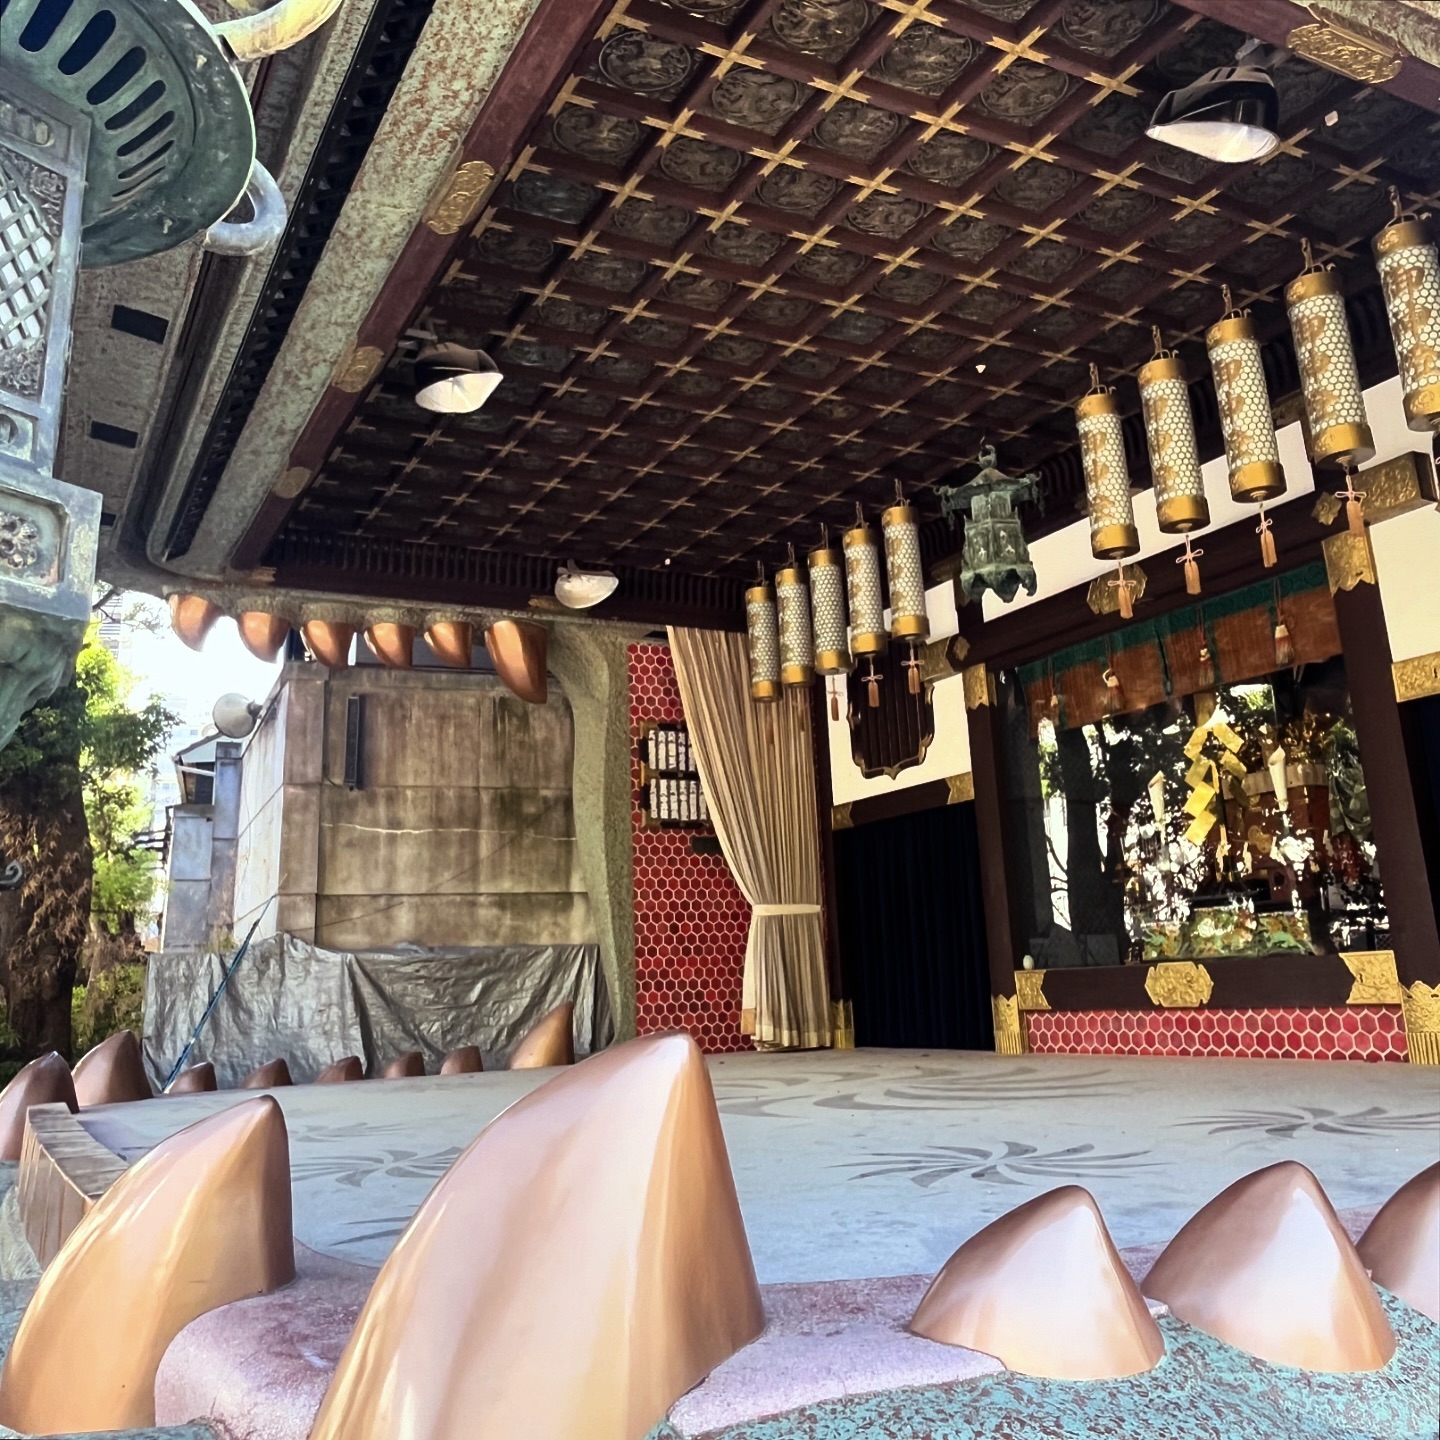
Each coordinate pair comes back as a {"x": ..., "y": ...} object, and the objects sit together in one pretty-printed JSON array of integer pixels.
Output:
[{"x": 193, "y": 681}]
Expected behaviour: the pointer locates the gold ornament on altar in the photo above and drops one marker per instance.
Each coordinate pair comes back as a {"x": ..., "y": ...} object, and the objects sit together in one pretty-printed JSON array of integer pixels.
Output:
[
  {"x": 827, "y": 613},
  {"x": 1410, "y": 278},
  {"x": 906, "y": 574},
  {"x": 1180, "y": 503},
  {"x": 1252, "y": 454},
  {"x": 764, "y": 639},
  {"x": 1113, "y": 535},
  {"x": 793, "y": 599},
  {"x": 1334, "y": 407},
  {"x": 866, "y": 599}
]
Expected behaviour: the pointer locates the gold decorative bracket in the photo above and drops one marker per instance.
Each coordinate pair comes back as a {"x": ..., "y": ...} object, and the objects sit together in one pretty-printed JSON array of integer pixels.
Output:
[
  {"x": 1178, "y": 985},
  {"x": 459, "y": 202},
  {"x": 1009, "y": 1031},
  {"x": 977, "y": 687},
  {"x": 840, "y": 817},
  {"x": 962, "y": 788},
  {"x": 1417, "y": 677},
  {"x": 1346, "y": 46},
  {"x": 1420, "y": 1005},
  {"x": 1030, "y": 990},
  {"x": 1349, "y": 561},
  {"x": 357, "y": 368},
  {"x": 1376, "y": 982}
]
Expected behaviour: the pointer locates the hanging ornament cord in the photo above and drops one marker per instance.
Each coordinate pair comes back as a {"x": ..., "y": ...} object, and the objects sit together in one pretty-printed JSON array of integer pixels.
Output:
[
  {"x": 1124, "y": 588},
  {"x": 1190, "y": 560},
  {"x": 834, "y": 697},
  {"x": 1354, "y": 503},
  {"x": 872, "y": 685},
  {"x": 1284, "y": 647},
  {"x": 1267, "y": 539},
  {"x": 912, "y": 666}
]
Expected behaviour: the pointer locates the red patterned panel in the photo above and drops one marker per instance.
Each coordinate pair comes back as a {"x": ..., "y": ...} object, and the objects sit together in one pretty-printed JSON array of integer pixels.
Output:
[
  {"x": 690, "y": 917},
  {"x": 1329, "y": 1032}
]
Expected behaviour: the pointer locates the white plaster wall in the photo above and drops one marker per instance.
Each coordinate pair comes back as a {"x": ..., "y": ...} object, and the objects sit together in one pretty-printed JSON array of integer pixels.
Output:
[{"x": 1407, "y": 562}]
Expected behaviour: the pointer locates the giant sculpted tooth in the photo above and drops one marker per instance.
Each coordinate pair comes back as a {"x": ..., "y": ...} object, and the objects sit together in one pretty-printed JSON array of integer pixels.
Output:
[
  {"x": 1044, "y": 1291},
  {"x": 550, "y": 1042},
  {"x": 45, "y": 1081},
  {"x": 202, "y": 1220},
  {"x": 1267, "y": 1267},
  {"x": 409, "y": 1066},
  {"x": 464, "y": 1061},
  {"x": 112, "y": 1072},
  {"x": 268, "y": 1076},
  {"x": 338, "y": 1072},
  {"x": 1401, "y": 1249},
  {"x": 579, "y": 1268},
  {"x": 193, "y": 1079}
]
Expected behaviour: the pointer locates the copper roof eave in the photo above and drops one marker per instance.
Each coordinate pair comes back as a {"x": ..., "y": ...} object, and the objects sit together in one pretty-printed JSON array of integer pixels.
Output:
[
  {"x": 557, "y": 32},
  {"x": 1273, "y": 21}
]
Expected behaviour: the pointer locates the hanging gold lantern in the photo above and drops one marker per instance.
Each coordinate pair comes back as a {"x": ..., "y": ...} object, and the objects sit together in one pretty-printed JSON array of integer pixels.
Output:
[
  {"x": 793, "y": 598},
  {"x": 1107, "y": 481},
  {"x": 764, "y": 640},
  {"x": 827, "y": 612},
  {"x": 1334, "y": 408},
  {"x": 1180, "y": 503},
  {"x": 866, "y": 599},
  {"x": 906, "y": 573},
  {"x": 1251, "y": 453},
  {"x": 1410, "y": 277}
]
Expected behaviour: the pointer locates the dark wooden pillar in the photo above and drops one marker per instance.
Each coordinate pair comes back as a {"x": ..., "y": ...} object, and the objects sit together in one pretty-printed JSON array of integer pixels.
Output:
[
  {"x": 1390, "y": 780},
  {"x": 987, "y": 768},
  {"x": 824, "y": 806}
]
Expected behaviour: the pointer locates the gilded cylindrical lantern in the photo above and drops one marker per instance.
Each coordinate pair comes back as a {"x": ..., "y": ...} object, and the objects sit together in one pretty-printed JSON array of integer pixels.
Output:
[
  {"x": 760, "y": 629},
  {"x": 827, "y": 610},
  {"x": 1107, "y": 479},
  {"x": 1251, "y": 454},
  {"x": 905, "y": 572},
  {"x": 1180, "y": 504},
  {"x": 1410, "y": 277},
  {"x": 1334, "y": 409},
  {"x": 796, "y": 655},
  {"x": 863, "y": 591}
]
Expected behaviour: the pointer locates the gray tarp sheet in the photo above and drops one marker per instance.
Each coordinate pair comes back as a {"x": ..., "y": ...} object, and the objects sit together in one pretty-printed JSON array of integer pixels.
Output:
[{"x": 291, "y": 999}]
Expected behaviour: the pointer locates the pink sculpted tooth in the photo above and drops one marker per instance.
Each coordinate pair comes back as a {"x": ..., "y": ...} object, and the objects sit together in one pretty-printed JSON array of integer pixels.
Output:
[
  {"x": 112, "y": 1072},
  {"x": 1044, "y": 1291},
  {"x": 267, "y": 1076},
  {"x": 45, "y": 1081},
  {"x": 409, "y": 1066},
  {"x": 1401, "y": 1249},
  {"x": 340, "y": 1071},
  {"x": 550, "y": 1042},
  {"x": 202, "y": 1220},
  {"x": 1267, "y": 1267},
  {"x": 518, "y": 650},
  {"x": 579, "y": 1268},
  {"x": 464, "y": 1061},
  {"x": 193, "y": 1079}
]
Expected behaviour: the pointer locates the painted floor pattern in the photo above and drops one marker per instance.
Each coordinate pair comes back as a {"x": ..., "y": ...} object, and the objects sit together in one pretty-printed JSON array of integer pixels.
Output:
[{"x": 870, "y": 1163}]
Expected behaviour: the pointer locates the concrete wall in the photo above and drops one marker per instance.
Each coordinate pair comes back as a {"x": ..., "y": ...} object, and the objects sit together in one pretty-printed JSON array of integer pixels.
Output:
[
  {"x": 461, "y": 832},
  {"x": 187, "y": 879}
]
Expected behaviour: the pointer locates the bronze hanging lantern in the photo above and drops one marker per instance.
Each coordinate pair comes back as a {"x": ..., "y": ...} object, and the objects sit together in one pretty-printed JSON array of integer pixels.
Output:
[
  {"x": 827, "y": 612},
  {"x": 792, "y": 596},
  {"x": 1252, "y": 454},
  {"x": 1113, "y": 535},
  {"x": 764, "y": 640},
  {"x": 1180, "y": 503},
  {"x": 1334, "y": 406},
  {"x": 866, "y": 599},
  {"x": 906, "y": 573},
  {"x": 995, "y": 553},
  {"x": 1410, "y": 277}
]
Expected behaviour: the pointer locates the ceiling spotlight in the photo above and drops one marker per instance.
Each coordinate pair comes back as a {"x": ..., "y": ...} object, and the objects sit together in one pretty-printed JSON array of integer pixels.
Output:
[
  {"x": 1230, "y": 114},
  {"x": 452, "y": 380},
  {"x": 580, "y": 589}
]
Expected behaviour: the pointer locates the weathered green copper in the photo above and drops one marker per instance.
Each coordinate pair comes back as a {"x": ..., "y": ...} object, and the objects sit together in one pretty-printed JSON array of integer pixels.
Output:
[
  {"x": 172, "y": 138},
  {"x": 995, "y": 551}
]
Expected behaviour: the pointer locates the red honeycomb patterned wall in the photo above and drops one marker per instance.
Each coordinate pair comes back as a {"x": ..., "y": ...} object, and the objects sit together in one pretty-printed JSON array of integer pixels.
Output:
[
  {"x": 1331, "y": 1032},
  {"x": 690, "y": 917}
]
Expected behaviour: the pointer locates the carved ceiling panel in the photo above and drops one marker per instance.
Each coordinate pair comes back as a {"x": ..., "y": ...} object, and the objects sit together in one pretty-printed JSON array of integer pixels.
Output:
[{"x": 759, "y": 260}]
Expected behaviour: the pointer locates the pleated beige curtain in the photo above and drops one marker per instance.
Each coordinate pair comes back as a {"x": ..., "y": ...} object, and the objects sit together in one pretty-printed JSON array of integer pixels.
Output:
[{"x": 757, "y": 767}]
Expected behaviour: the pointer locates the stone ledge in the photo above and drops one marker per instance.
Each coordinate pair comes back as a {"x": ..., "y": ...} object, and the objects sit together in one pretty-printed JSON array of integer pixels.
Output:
[{"x": 63, "y": 1172}]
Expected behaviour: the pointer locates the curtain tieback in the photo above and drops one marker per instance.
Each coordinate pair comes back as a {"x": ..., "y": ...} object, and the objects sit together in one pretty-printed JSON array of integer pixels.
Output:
[{"x": 762, "y": 912}]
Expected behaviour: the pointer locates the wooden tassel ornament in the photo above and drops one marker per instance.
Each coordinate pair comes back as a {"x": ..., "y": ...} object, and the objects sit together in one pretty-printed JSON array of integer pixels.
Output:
[
  {"x": 1114, "y": 692},
  {"x": 1124, "y": 592},
  {"x": 834, "y": 699},
  {"x": 1284, "y": 649},
  {"x": 1267, "y": 540},
  {"x": 1190, "y": 561},
  {"x": 1354, "y": 503},
  {"x": 912, "y": 665},
  {"x": 872, "y": 687},
  {"x": 1205, "y": 673}
]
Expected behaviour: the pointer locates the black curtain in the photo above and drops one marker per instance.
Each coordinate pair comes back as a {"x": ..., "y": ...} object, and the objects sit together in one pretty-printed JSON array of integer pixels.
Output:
[
  {"x": 912, "y": 931},
  {"x": 1421, "y": 719}
]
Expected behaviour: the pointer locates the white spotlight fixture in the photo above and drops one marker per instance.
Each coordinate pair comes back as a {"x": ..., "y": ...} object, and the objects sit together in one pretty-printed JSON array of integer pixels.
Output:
[
  {"x": 580, "y": 589},
  {"x": 1231, "y": 114},
  {"x": 235, "y": 716},
  {"x": 453, "y": 380}
]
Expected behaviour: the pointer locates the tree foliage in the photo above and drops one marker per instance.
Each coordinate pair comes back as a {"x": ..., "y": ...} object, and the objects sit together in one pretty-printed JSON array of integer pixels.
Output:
[{"x": 68, "y": 805}]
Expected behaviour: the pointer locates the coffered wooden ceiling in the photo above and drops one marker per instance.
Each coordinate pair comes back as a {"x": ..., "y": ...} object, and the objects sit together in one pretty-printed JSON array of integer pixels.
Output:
[{"x": 757, "y": 262}]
